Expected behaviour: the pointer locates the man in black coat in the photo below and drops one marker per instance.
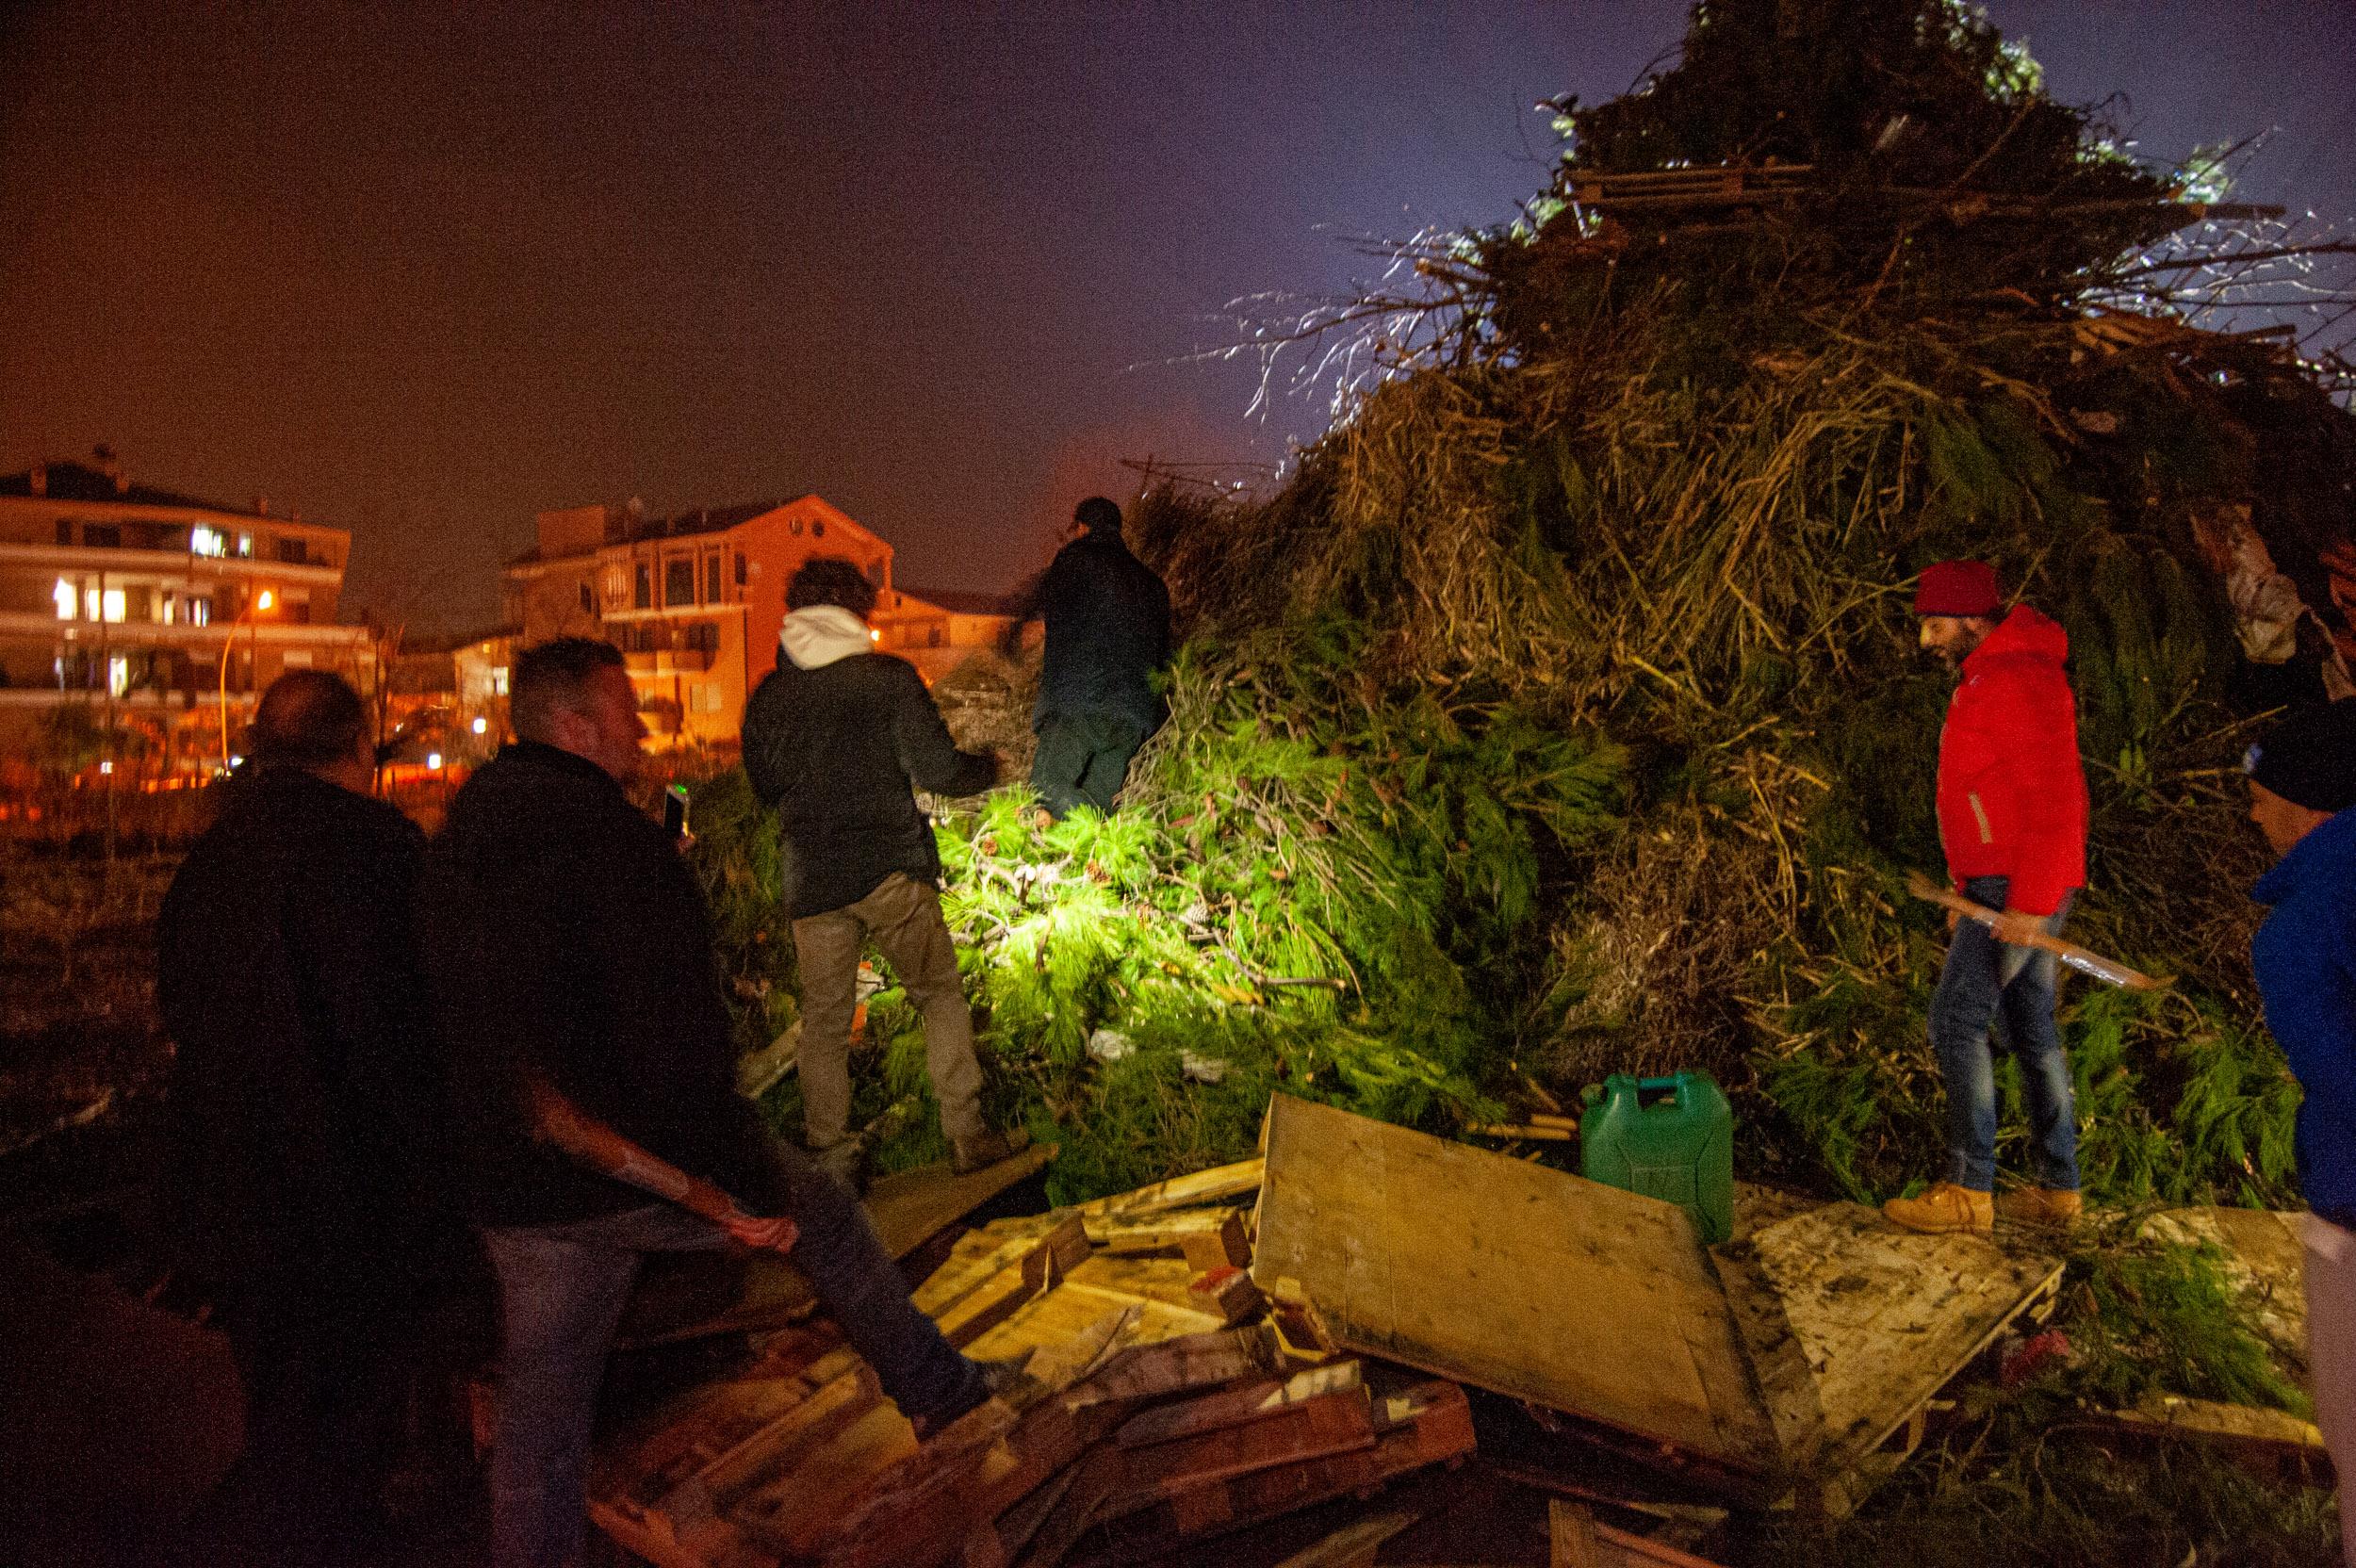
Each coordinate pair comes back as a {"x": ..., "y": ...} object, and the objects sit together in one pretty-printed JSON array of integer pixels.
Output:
[
  {"x": 834, "y": 739},
  {"x": 304, "y": 1103},
  {"x": 1107, "y": 623},
  {"x": 570, "y": 949}
]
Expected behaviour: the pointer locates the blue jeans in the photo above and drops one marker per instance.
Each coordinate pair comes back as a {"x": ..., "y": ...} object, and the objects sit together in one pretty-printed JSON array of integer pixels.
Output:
[
  {"x": 1983, "y": 980},
  {"x": 561, "y": 1291}
]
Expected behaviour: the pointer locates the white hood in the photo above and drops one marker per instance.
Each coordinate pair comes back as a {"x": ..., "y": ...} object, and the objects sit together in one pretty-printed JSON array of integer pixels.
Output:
[{"x": 818, "y": 636}]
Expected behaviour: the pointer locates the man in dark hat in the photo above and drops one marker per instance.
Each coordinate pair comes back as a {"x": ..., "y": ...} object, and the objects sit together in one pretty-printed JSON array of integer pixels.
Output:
[
  {"x": 1107, "y": 621},
  {"x": 2012, "y": 816},
  {"x": 289, "y": 977},
  {"x": 2303, "y": 796}
]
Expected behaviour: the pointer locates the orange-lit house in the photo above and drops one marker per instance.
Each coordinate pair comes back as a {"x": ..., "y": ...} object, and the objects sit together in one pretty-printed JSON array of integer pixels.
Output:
[
  {"x": 694, "y": 601},
  {"x": 123, "y": 602}
]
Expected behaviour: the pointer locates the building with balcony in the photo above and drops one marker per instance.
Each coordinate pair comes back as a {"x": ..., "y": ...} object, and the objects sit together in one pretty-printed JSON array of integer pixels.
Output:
[
  {"x": 131, "y": 607},
  {"x": 694, "y": 601}
]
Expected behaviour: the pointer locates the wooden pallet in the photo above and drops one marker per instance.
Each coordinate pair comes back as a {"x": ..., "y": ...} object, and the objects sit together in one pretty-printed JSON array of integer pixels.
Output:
[
  {"x": 1855, "y": 1326},
  {"x": 1143, "y": 1405}
]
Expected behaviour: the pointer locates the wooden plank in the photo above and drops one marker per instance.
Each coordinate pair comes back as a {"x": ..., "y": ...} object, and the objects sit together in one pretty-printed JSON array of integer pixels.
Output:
[
  {"x": 693, "y": 1431},
  {"x": 1355, "y": 1545},
  {"x": 1571, "y": 1536},
  {"x": 911, "y": 1207},
  {"x": 2271, "y": 1442},
  {"x": 1430, "y": 1423},
  {"x": 1040, "y": 1266},
  {"x": 1509, "y": 1275},
  {"x": 1327, "y": 1424},
  {"x": 1207, "y": 1238},
  {"x": 1196, "y": 1361},
  {"x": 1220, "y": 1184},
  {"x": 1854, "y": 1325},
  {"x": 831, "y": 1404},
  {"x": 1235, "y": 1407},
  {"x": 796, "y": 1510}
]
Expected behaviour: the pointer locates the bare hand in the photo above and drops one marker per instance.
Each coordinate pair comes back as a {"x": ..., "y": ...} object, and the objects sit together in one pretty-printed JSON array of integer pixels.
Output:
[
  {"x": 2016, "y": 929},
  {"x": 764, "y": 1233}
]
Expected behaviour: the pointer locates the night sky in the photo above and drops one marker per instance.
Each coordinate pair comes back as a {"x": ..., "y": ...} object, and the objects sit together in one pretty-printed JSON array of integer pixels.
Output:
[{"x": 422, "y": 271}]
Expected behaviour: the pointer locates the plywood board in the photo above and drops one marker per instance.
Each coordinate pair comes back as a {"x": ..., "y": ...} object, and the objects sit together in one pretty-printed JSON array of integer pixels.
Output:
[
  {"x": 1507, "y": 1275},
  {"x": 1854, "y": 1325}
]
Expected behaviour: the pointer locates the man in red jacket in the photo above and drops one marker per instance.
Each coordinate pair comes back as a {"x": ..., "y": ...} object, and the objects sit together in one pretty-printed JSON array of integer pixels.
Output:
[{"x": 2012, "y": 815}]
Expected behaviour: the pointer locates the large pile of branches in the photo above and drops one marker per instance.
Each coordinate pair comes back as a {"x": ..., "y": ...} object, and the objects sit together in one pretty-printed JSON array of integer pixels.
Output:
[
  {"x": 1562, "y": 713},
  {"x": 1664, "y": 466}
]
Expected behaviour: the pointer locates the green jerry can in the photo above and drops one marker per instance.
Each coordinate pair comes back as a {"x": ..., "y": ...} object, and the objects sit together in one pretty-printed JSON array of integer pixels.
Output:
[{"x": 1665, "y": 1137}]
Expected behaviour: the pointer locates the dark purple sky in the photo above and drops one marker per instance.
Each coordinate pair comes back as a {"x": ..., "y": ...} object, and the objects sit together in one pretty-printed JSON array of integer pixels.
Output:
[{"x": 421, "y": 270}]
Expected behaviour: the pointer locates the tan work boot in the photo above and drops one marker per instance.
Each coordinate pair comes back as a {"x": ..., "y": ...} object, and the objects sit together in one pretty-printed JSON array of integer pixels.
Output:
[
  {"x": 987, "y": 1148},
  {"x": 2058, "y": 1207},
  {"x": 1946, "y": 1207}
]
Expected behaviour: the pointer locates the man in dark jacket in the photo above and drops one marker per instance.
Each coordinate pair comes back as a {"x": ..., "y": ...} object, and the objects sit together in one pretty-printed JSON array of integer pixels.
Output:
[
  {"x": 1107, "y": 619},
  {"x": 2303, "y": 796},
  {"x": 2012, "y": 816},
  {"x": 834, "y": 737},
  {"x": 570, "y": 949},
  {"x": 288, "y": 977}
]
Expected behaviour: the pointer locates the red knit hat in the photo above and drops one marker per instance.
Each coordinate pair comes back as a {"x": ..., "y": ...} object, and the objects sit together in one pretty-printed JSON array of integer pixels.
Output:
[{"x": 1956, "y": 588}]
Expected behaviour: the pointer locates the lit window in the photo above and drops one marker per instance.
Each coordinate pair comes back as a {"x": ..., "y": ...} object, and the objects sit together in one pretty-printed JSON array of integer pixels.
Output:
[
  {"x": 118, "y": 676},
  {"x": 114, "y": 604},
  {"x": 65, "y": 596},
  {"x": 498, "y": 680},
  {"x": 200, "y": 611},
  {"x": 206, "y": 541}
]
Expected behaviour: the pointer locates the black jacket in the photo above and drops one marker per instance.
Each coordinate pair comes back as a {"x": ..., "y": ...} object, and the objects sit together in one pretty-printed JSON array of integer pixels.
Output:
[
  {"x": 303, "y": 1090},
  {"x": 567, "y": 939},
  {"x": 1107, "y": 620},
  {"x": 835, "y": 750}
]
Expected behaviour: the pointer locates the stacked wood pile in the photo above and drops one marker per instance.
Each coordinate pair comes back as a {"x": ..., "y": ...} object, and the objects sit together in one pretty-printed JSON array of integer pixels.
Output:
[
  {"x": 1193, "y": 1364},
  {"x": 1161, "y": 1398}
]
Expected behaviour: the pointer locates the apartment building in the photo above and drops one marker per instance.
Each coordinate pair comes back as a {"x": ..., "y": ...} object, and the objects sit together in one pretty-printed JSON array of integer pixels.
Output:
[
  {"x": 156, "y": 610},
  {"x": 694, "y": 601}
]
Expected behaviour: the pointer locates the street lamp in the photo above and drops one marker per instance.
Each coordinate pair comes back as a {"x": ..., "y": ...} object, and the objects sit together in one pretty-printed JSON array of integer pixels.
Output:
[{"x": 262, "y": 600}]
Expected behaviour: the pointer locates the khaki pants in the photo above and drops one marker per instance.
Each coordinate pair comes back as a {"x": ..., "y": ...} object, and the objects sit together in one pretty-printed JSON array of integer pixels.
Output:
[
  {"x": 2331, "y": 1354},
  {"x": 903, "y": 915}
]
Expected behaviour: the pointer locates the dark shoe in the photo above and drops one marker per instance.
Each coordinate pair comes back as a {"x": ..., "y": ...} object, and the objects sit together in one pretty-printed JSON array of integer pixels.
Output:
[
  {"x": 846, "y": 1162},
  {"x": 985, "y": 1149},
  {"x": 997, "y": 1377}
]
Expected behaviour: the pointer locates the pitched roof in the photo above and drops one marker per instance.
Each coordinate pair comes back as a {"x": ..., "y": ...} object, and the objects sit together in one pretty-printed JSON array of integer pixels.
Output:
[
  {"x": 78, "y": 481},
  {"x": 959, "y": 602}
]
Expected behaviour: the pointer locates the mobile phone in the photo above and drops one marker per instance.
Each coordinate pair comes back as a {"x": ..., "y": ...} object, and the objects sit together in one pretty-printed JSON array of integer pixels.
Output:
[{"x": 674, "y": 811}]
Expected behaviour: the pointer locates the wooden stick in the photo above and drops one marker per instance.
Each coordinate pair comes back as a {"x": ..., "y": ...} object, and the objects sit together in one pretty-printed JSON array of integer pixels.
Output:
[
  {"x": 557, "y": 1121},
  {"x": 2110, "y": 971},
  {"x": 1519, "y": 1130}
]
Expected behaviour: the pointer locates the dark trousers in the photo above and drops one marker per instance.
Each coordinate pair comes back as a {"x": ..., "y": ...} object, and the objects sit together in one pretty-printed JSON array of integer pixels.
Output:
[
  {"x": 329, "y": 1367},
  {"x": 1083, "y": 759},
  {"x": 1986, "y": 980},
  {"x": 561, "y": 1291}
]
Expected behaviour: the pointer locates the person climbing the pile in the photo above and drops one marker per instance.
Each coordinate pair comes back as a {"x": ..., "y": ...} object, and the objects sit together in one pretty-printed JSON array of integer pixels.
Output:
[
  {"x": 1108, "y": 628},
  {"x": 834, "y": 739},
  {"x": 2303, "y": 796},
  {"x": 2012, "y": 817}
]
